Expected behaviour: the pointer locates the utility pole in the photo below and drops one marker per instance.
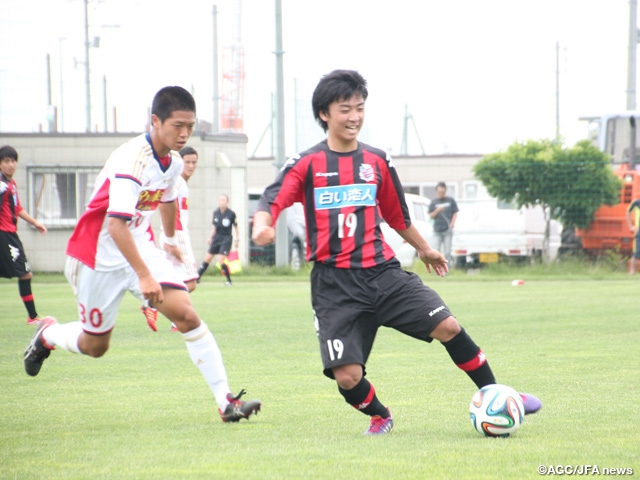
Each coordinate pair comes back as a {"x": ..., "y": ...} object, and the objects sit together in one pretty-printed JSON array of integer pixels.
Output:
[
  {"x": 87, "y": 69},
  {"x": 404, "y": 148},
  {"x": 60, "y": 40},
  {"x": 216, "y": 94},
  {"x": 631, "y": 62},
  {"x": 282, "y": 233},
  {"x": 51, "y": 113},
  {"x": 557, "y": 91},
  {"x": 104, "y": 99}
]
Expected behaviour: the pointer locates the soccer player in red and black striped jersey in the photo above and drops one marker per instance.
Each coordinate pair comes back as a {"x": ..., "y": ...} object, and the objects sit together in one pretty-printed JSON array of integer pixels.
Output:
[
  {"x": 357, "y": 285},
  {"x": 13, "y": 261}
]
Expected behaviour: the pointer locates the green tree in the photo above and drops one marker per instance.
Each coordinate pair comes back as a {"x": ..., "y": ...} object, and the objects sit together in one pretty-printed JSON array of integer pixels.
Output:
[{"x": 569, "y": 183}]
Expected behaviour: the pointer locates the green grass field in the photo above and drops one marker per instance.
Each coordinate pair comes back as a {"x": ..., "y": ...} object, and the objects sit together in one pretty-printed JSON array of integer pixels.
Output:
[{"x": 144, "y": 411}]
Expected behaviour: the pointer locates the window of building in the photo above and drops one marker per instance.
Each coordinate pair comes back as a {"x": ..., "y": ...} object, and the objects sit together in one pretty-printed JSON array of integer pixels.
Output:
[{"x": 59, "y": 195}]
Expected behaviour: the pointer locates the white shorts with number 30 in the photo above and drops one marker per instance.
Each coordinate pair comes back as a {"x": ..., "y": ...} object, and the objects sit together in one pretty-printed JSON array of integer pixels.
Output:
[{"x": 99, "y": 293}]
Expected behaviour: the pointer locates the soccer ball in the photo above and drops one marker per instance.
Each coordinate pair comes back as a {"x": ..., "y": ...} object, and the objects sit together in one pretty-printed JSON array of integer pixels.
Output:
[{"x": 496, "y": 411}]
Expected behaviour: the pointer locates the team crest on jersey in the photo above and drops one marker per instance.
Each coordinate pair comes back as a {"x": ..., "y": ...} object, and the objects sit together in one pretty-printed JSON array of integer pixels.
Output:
[
  {"x": 366, "y": 172},
  {"x": 149, "y": 199}
]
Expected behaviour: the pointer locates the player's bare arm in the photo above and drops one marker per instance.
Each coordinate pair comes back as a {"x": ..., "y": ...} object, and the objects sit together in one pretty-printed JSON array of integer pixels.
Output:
[
  {"x": 123, "y": 239},
  {"x": 632, "y": 227},
  {"x": 263, "y": 233},
  {"x": 28, "y": 218},
  {"x": 429, "y": 256},
  {"x": 168, "y": 218}
]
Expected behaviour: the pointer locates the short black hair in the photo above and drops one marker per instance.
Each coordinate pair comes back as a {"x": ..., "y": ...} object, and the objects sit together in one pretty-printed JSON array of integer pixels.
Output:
[
  {"x": 334, "y": 87},
  {"x": 8, "y": 151},
  {"x": 441, "y": 184},
  {"x": 188, "y": 151},
  {"x": 171, "y": 99}
]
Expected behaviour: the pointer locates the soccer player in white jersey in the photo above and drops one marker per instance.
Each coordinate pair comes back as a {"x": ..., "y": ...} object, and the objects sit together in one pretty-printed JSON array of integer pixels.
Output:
[
  {"x": 187, "y": 267},
  {"x": 110, "y": 252}
]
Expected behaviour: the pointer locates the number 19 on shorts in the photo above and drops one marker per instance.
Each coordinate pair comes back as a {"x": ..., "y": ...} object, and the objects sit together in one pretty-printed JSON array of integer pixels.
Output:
[{"x": 336, "y": 349}]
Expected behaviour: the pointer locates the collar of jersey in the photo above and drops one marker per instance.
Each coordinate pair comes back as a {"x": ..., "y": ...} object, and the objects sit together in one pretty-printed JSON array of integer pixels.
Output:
[{"x": 155, "y": 155}]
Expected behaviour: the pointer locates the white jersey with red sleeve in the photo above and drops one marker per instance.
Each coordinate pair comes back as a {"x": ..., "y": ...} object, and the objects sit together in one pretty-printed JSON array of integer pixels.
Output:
[
  {"x": 130, "y": 186},
  {"x": 182, "y": 210}
]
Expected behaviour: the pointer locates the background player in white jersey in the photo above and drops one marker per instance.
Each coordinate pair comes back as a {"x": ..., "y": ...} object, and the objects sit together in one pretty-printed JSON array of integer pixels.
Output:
[
  {"x": 110, "y": 252},
  {"x": 187, "y": 267}
]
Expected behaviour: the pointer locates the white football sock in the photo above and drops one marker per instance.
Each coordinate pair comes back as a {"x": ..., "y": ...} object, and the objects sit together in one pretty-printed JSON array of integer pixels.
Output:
[
  {"x": 206, "y": 355},
  {"x": 64, "y": 335}
]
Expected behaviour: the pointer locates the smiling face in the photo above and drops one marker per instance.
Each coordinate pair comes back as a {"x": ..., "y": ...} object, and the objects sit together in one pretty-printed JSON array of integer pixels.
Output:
[
  {"x": 344, "y": 120},
  {"x": 173, "y": 133}
]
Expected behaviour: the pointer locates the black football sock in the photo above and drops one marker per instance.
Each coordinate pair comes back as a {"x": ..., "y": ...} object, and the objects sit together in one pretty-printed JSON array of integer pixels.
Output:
[
  {"x": 24, "y": 286},
  {"x": 469, "y": 357},
  {"x": 363, "y": 397},
  {"x": 203, "y": 268},
  {"x": 226, "y": 272}
]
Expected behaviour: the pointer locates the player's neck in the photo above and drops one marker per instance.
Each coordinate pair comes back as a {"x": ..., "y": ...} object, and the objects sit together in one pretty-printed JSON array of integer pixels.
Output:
[
  {"x": 160, "y": 148},
  {"x": 340, "y": 145}
]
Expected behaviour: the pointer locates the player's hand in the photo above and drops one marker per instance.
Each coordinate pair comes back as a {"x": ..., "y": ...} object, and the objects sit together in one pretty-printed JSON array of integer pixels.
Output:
[
  {"x": 41, "y": 228},
  {"x": 634, "y": 229},
  {"x": 263, "y": 235},
  {"x": 209, "y": 241},
  {"x": 434, "y": 259},
  {"x": 173, "y": 250},
  {"x": 151, "y": 290}
]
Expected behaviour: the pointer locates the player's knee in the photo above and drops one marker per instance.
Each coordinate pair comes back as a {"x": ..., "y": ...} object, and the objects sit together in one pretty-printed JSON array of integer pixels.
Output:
[
  {"x": 446, "y": 329},
  {"x": 95, "y": 351},
  {"x": 347, "y": 376}
]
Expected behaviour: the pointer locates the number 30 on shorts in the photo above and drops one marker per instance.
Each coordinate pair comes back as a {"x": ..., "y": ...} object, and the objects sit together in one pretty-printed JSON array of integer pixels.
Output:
[
  {"x": 95, "y": 316},
  {"x": 336, "y": 349}
]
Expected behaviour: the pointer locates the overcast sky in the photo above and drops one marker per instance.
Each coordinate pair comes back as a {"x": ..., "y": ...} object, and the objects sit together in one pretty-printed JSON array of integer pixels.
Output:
[{"x": 474, "y": 75}]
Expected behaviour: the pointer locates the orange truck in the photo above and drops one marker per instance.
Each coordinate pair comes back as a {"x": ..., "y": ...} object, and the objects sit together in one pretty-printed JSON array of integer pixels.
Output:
[{"x": 615, "y": 135}]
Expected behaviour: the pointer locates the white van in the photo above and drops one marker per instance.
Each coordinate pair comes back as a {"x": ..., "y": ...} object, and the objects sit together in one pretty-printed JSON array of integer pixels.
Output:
[{"x": 419, "y": 213}]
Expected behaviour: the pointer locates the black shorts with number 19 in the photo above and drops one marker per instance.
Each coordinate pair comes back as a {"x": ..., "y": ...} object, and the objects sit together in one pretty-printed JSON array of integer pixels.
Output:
[{"x": 351, "y": 304}]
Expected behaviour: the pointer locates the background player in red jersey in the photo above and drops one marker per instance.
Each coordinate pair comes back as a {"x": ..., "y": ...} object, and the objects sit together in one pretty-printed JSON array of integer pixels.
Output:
[
  {"x": 110, "y": 252},
  {"x": 13, "y": 261},
  {"x": 357, "y": 285}
]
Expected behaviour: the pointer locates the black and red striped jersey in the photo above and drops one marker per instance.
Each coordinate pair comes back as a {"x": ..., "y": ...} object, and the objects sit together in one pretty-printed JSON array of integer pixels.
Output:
[
  {"x": 10, "y": 207},
  {"x": 345, "y": 197}
]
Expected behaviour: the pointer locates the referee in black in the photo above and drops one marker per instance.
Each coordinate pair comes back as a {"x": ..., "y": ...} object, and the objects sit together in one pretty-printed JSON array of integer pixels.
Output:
[
  {"x": 221, "y": 238},
  {"x": 357, "y": 285}
]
